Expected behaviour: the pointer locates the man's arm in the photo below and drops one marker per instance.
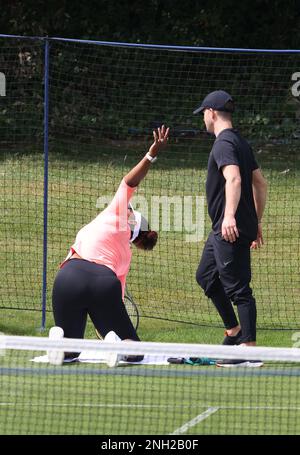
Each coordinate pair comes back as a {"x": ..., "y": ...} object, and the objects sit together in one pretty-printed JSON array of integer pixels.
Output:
[
  {"x": 259, "y": 188},
  {"x": 232, "y": 198},
  {"x": 136, "y": 175}
]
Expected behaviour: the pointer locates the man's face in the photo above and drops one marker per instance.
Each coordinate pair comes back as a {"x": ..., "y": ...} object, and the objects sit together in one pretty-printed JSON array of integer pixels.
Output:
[{"x": 208, "y": 120}]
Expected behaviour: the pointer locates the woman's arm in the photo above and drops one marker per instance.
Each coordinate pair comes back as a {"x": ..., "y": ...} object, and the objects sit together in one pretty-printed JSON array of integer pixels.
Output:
[{"x": 136, "y": 175}]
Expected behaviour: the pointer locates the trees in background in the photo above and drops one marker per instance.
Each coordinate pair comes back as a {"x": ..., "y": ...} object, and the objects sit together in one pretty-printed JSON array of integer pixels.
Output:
[{"x": 227, "y": 23}]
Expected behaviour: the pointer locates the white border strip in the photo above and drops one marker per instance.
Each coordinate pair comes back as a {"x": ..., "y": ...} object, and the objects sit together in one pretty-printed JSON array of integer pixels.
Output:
[{"x": 168, "y": 349}]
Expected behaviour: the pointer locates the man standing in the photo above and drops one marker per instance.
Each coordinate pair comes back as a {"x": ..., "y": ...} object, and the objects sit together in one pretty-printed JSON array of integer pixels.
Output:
[{"x": 236, "y": 197}]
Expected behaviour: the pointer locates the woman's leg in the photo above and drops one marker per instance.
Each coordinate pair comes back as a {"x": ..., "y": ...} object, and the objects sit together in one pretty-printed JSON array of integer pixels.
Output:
[
  {"x": 69, "y": 300},
  {"x": 106, "y": 308},
  {"x": 108, "y": 313}
]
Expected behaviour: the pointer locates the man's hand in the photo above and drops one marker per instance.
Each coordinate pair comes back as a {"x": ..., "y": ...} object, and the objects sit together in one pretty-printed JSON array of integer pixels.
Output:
[
  {"x": 160, "y": 140},
  {"x": 259, "y": 240},
  {"x": 229, "y": 229}
]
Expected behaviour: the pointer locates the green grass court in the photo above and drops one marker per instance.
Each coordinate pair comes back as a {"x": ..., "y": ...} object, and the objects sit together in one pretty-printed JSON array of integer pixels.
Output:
[{"x": 148, "y": 400}]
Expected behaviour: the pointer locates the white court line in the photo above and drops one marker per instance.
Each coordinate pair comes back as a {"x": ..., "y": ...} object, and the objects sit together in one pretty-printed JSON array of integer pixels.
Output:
[{"x": 196, "y": 420}]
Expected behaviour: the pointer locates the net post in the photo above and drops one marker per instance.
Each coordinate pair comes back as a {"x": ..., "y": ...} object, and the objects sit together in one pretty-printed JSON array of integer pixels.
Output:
[{"x": 46, "y": 158}]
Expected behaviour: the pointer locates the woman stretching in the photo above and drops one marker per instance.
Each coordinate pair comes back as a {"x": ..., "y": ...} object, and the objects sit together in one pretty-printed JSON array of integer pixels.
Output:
[{"x": 91, "y": 281}]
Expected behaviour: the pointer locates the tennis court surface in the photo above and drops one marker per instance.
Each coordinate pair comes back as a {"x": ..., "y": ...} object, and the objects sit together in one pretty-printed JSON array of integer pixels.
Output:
[{"x": 136, "y": 399}]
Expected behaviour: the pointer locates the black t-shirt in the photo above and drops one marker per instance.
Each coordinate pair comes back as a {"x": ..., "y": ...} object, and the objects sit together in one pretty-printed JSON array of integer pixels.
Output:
[{"x": 231, "y": 148}]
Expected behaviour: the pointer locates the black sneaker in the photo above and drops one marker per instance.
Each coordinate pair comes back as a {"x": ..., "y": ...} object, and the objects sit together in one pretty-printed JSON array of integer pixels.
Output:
[
  {"x": 176, "y": 360},
  {"x": 71, "y": 357},
  {"x": 232, "y": 340},
  {"x": 133, "y": 358},
  {"x": 232, "y": 363}
]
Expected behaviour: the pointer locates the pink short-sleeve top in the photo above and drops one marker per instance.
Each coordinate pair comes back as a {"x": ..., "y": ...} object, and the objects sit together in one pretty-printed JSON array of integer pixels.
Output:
[{"x": 105, "y": 240}]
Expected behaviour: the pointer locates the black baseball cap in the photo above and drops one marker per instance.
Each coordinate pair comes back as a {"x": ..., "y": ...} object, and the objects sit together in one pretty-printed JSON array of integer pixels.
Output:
[{"x": 216, "y": 100}]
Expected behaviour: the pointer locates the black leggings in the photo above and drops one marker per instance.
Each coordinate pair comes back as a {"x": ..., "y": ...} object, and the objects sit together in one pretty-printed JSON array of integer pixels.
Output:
[{"x": 84, "y": 288}]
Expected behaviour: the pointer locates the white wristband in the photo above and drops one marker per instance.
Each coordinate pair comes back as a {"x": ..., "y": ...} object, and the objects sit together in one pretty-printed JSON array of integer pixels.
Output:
[{"x": 152, "y": 159}]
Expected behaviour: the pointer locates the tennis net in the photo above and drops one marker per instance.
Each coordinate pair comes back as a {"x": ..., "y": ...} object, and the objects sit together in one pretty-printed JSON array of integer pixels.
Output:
[
  {"x": 152, "y": 397},
  {"x": 103, "y": 106}
]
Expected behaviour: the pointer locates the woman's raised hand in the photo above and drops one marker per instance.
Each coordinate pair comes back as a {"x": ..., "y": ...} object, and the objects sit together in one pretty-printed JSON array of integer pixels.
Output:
[{"x": 161, "y": 136}]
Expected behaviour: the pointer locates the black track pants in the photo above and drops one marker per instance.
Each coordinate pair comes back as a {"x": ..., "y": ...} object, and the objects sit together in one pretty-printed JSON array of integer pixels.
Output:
[{"x": 224, "y": 273}]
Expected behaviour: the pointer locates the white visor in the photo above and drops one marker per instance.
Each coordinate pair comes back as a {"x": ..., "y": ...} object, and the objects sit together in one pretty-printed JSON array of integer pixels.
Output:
[{"x": 137, "y": 223}]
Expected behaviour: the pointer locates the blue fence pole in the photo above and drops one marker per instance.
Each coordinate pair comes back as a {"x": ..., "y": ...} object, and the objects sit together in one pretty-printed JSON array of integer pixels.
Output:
[{"x": 46, "y": 157}]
